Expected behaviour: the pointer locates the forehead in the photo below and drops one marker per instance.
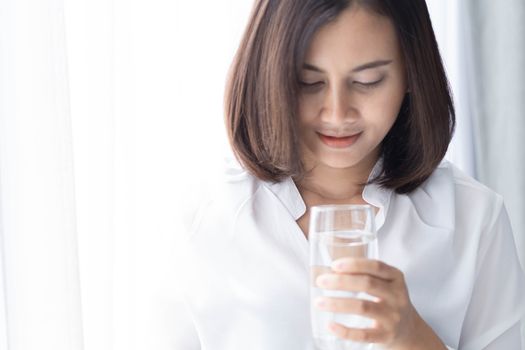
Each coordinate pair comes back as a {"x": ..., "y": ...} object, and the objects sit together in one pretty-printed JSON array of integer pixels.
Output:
[{"x": 357, "y": 35}]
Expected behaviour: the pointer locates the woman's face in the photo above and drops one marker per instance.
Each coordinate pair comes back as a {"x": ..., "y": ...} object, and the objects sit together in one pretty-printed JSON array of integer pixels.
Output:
[{"x": 352, "y": 86}]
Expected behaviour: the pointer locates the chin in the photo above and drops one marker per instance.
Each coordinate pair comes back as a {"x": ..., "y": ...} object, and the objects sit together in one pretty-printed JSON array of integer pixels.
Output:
[
  {"x": 338, "y": 161},
  {"x": 318, "y": 155}
]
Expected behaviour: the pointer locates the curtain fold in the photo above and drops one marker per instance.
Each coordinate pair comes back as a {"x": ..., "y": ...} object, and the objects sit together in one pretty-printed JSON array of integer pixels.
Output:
[
  {"x": 483, "y": 51},
  {"x": 41, "y": 294},
  {"x": 91, "y": 60},
  {"x": 449, "y": 29},
  {"x": 495, "y": 42},
  {"x": 493, "y": 37}
]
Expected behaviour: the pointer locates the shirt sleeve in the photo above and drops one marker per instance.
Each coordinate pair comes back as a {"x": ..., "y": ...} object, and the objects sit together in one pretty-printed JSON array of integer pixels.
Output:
[
  {"x": 497, "y": 302},
  {"x": 184, "y": 332},
  {"x": 168, "y": 323},
  {"x": 180, "y": 319},
  {"x": 173, "y": 327}
]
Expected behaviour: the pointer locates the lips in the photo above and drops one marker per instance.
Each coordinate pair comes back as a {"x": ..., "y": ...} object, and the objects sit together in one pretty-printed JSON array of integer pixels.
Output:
[{"x": 338, "y": 142}]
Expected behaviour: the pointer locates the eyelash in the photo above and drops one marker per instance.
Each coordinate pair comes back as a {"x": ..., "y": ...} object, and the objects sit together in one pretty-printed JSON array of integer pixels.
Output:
[
  {"x": 370, "y": 85},
  {"x": 363, "y": 85}
]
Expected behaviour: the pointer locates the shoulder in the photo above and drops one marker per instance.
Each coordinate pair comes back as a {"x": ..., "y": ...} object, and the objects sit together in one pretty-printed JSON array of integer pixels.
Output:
[
  {"x": 218, "y": 198},
  {"x": 450, "y": 192},
  {"x": 465, "y": 186}
]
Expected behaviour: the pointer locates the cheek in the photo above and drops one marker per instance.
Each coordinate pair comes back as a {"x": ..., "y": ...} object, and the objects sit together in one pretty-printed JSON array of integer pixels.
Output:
[
  {"x": 308, "y": 107},
  {"x": 388, "y": 106}
]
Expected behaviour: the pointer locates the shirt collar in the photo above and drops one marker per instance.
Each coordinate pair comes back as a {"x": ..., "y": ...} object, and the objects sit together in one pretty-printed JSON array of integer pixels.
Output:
[
  {"x": 374, "y": 194},
  {"x": 377, "y": 195},
  {"x": 289, "y": 195}
]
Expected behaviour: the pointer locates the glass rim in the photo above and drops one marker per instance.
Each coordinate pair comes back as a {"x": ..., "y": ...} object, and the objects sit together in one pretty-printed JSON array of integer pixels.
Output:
[{"x": 326, "y": 207}]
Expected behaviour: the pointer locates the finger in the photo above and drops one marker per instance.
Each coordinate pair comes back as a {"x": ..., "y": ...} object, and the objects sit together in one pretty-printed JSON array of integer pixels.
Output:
[
  {"x": 376, "y": 310},
  {"x": 363, "y": 335},
  {"x": 373, "y": 267},
  {"x": 356, "y": 283}
]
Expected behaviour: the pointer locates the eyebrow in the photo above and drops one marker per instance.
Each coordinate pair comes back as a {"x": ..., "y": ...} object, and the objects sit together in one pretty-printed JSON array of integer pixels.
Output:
[{"x": 362, "y": 67}]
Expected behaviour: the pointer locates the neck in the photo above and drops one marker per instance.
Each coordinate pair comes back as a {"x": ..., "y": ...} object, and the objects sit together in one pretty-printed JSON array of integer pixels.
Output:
[{"x": 335, "y": 185}]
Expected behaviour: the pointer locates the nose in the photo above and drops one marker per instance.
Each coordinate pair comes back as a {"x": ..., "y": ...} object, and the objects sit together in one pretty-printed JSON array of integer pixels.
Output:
[{"x": 339, "y": 107}]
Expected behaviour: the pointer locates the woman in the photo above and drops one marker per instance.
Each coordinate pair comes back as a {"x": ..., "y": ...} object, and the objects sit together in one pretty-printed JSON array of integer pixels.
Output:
[{"x": 332, "y": 102}]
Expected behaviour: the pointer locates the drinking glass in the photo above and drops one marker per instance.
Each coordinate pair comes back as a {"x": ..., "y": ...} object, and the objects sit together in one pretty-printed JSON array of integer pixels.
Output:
[{"x": 338, "y": 231}]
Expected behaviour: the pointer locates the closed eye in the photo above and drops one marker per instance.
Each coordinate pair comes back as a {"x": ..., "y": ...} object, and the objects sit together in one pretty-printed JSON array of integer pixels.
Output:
[
  {"x": 368, "y": 85},
  {"x": 311, "y": 87},
  {"x": 302, "y": 83},
  {"x": 362, "y": 84}
]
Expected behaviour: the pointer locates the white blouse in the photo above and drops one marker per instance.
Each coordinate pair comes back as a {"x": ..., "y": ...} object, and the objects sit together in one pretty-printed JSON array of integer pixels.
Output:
[{"x": 246, "y": 264}]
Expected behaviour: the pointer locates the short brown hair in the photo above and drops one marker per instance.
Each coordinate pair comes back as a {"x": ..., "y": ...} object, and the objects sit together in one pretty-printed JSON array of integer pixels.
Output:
[{"x": 263, "y": 85}]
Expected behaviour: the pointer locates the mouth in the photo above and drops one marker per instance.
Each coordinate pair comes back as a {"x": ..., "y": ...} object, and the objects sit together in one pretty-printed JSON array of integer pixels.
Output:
[{"x": 339, "y": 142}]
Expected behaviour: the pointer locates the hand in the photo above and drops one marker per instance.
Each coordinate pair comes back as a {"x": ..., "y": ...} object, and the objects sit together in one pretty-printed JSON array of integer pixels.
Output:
[{"x": 397, "y": 324}]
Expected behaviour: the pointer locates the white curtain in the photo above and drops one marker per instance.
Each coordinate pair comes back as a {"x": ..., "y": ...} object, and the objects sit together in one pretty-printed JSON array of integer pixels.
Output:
[
  {"x": 496, "y": 38},
  {"x": 39, "y": 276},
  {"x": 108, "y": 109},
  {"x": 65, "y": 244},
  {"x": 449, "y": 28},
  {"x": 484, "y": 53}
]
